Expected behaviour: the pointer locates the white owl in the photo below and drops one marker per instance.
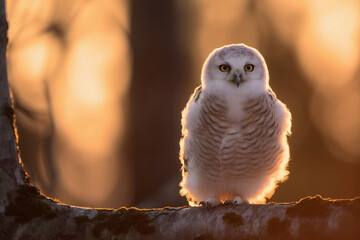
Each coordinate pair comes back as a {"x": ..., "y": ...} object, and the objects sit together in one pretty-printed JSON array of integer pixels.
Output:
[{"x": 234, "y": 147}]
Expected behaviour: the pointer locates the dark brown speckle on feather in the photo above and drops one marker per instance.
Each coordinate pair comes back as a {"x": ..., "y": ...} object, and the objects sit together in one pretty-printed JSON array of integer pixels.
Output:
[{"x": 197, "y": 93}]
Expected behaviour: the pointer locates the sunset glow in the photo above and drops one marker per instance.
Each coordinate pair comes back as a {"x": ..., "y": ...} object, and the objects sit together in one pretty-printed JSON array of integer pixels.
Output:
[{"x": 96, "y": 82}]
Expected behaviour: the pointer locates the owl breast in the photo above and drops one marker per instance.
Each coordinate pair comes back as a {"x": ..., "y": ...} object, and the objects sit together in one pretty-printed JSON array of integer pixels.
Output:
[{"x": 243, "y": 149}]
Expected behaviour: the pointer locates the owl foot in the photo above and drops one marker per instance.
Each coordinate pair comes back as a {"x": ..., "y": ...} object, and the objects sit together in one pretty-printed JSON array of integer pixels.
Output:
[
  {"x": 211, "y": 203},
  {"x": 235, "y": 201}
]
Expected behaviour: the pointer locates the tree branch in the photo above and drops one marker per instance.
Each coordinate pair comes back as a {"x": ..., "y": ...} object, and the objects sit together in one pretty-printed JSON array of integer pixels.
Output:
[
  {"x": 27, "y": 214},
  {"x": 30, "y": 215}
]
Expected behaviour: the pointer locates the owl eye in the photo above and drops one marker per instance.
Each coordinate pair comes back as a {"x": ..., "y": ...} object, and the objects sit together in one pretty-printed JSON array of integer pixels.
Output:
[
  {"x": 224, "y": 68},
  {"x": 249, "y": 67}
]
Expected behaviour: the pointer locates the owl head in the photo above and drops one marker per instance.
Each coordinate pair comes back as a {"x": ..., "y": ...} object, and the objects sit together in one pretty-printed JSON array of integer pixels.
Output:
[{"x": 237, "y": 68}]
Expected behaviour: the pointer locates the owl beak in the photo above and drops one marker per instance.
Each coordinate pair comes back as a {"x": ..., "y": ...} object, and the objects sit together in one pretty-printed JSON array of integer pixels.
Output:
[{"x": 237, "y": 79}]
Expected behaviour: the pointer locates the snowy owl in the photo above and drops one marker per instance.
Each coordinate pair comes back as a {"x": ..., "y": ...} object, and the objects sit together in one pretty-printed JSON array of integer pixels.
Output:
[{"x": 234, "y": 132}]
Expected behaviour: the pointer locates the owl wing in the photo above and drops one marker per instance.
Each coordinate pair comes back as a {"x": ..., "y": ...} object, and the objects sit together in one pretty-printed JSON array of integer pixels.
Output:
[
  {"x": 189, "y": 121},
  {"x": 282, "y": 112},
  {"x": 191, "y": 111},
  {"x": 197, "y": 93},
  {"x": 272, "y": 95}
]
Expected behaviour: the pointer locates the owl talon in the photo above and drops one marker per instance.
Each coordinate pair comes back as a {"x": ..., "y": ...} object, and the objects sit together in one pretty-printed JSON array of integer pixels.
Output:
[
  {"x": 210, "y": 203},
  {"x": 228, "y": 202},
  {"x": 235, "y": 201},
  {"x": 203, "y": 203}
]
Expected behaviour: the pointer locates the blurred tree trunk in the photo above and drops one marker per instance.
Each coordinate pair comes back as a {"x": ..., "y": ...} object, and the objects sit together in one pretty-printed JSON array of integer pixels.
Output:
[
  {"x": 27, "y": 214},
  {"x": 159, "y": 71}
]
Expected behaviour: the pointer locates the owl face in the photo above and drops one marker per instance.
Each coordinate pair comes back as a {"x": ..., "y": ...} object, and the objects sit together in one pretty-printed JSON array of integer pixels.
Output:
[{"x": 235, "y": 67}]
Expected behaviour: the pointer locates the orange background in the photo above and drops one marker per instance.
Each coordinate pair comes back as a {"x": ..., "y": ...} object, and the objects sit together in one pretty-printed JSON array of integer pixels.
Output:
[{"x": 99, "y": 86}]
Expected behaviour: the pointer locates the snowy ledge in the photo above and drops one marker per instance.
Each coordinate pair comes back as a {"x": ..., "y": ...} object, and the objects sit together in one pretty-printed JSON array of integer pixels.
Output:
[{"x": 27, "y": 214}]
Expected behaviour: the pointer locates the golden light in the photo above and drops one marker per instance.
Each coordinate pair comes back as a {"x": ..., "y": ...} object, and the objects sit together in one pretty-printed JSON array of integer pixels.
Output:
[
  {"x": 328, "y": 43},
  {"x": 329, "y": 52},
  {"x": 75, "y": 71},
  {"x": 339, "y": 118},
  {"x": 70, "y": 69},
  {"x": 88, "y": 105}
]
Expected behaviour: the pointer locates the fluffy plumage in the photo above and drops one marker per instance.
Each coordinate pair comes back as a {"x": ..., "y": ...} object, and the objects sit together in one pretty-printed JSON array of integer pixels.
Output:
[{"x": 234, "y": 146}]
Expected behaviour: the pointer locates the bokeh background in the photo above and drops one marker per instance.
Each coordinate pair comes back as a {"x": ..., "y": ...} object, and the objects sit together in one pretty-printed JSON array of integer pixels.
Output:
[{"x": 99, "y": 87}]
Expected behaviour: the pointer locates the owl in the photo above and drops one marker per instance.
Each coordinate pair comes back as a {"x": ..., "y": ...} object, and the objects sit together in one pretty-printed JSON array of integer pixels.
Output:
[{"x": 234, "y": 145}]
